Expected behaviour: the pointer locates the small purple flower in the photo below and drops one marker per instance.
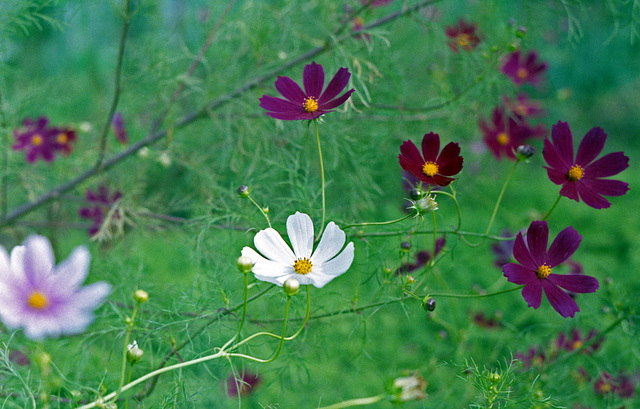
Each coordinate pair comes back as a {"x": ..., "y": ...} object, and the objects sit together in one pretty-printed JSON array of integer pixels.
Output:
[
  {"x": 102, "y": 200},
  {"x": 36, "y": 139},
  {"x": 44, "y": 299},
  {"x": 422, "y": 258},
  {"x": 462, "y": 35},
  {"x": 533, "y": 357},
  {"x": 505, "y": 133},
  {"x": 605, "y": 384},
  {"x": 536, "y": 262},
  {"x": 310, "y": 103},
  {"x": 523, "y": 69},
  {"x": 432, "y": 166},
  {"x": 118, "y": 128},
  {"x": 489, "y": 322},
  {"x": 62, "y": 138},
  {"x": 582, "y": 177},
  {"x": 522, "y": 106},
  {"x": 576, "y": 340},
  {"x": 244, "y": 385}
]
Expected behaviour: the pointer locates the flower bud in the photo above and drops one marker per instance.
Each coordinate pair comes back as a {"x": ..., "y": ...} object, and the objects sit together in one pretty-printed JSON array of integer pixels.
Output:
[
  {"x": 425, "y": 205},
  {"x": 416, "y": 194},
  {"x": 244, "y": 191},
  {"x": 525, "y": 152},
  {"x": 429, "y": 304},
  {"x": 291, "y": 286},
  {"x": 494, "y": 377},
  {"x": 265, "y": 209},
  {"x": 134, "y": 353},
  {"x": 141, "y": 296},
  {"x": 245, "y": 264},
  {"x": 387, "y": 270},
  {"x": 411, "y": 279},
  {"x": 409, "y": 388},
  {"x": 405, "y": 246}
]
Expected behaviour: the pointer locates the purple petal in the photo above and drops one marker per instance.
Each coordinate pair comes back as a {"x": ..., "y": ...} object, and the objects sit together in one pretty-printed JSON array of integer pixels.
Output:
[
  {"x": 336, "y": 85},
  {"x": 570, "y": 190},
  {"x": 592, "y": 198},
  {"x": 313, "y": 79},
  {"x": 608, "y": 165},
  {"x": 280, "y": 105},
  {"x": 38, "y": 258},
  {"x": 518, "y": 274},
  {"x": 336, "y": 102},
  {"x": 564, "y": 245},
  {"x": 607, "y": 187},
  {"x": 430, "y": 146},
  {"x": 556, "y": 177},
  {"x": 290, "y": 90},
  {"x": 591, "y": 146},
  {"x": 537, "y": 239},
  {"x": 575, "y": 283},
  {"x": 293, "y": 116},
  {"x": 532, "y": 293},
  {"x": 563, "y": 141},
  {"x": 559, "y": 300},
  {"x": 552, "y": 156},
  {"x": 522, "y": 254},
  {"x": 410, "y": 152}
]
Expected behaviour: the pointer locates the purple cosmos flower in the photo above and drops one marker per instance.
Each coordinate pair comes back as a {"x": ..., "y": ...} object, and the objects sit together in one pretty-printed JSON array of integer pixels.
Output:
[
  {"x": 522, "y": 106},
  {"x": 118, "y": 128},
  {"x": 44, "y": 299},
  {"x": 525, "y": 69},
  {"x": 489, "y": 322},
  {"x": 62, "y": 138},
  {"x": 536, "y": 262},
  {"x": 575, "y": 340},
  {"x": 102, "y": 200},
  {"x": 422, "y": 258},
  {"x": 310, "y": 103},
  {"x": 505, "y": 133},
  {"x": 36, "y": 139},
  {"x": 430, "y": 167},
  {"x": 581, "y": 178},
  {"x": 533, "y": 357},
  {"x": 463, "y": 35},
  {"x": 244, "y": 385},
  {"x": 605, "y": 384}
]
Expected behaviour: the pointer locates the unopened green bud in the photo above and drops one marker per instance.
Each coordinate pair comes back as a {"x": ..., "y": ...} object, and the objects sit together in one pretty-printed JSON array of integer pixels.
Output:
[
  {"x": 524, "y": 152},
  {"x": 387, "y": 270},
  {"x": 411, "y": 279},
  {"x": 265, "y": 209},
  {"x": 245, "y": 264},
  {"x": 244, "y": 191},
  {"x": 429, "y": 304},
  {"x": 416, "y": 194},
  {"x": 141, "y": 296},
  {"x": 291, "y": 286},
  {"x": 134, "y": 353},
  {"x": 494, "y": 377},
  {"x": 405, "y": 246}
]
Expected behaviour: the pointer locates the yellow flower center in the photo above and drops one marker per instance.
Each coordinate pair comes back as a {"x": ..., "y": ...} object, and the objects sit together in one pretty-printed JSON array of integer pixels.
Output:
[
  {"x": 430, "y": 168},
  {"x": 605, "y": 388},
  {"x": 521, "y": 109},
  {"x": 38, "y": 300},
  {"x": 576, "y": 345},
  {"x": 502, "y": 138},
  {"x": 575, "y": 173},
  {"x": 62, "y": 138},
  {"x": 302, "y": 266},
  {"x": 464, "y": 40},
  {"x": 543, "y": 271},
  {"x": 310, "y": 104},
  {"x": 36, "y": 140},
  {"x": 522, "y": 73}
]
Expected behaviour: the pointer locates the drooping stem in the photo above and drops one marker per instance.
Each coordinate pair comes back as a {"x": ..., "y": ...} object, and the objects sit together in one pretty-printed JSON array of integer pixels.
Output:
[
  {"x": 504, "y": 188},
  {"x": 266, "y": 216},
  {"x": 546, "y": 216},
  {"x": 377, "y": 223},
  {"x": 355, "y": 402},
  {"x": 315, "y": 123}
]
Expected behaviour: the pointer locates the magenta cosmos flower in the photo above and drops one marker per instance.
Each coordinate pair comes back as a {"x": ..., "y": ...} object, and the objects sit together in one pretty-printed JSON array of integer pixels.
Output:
[
  {"x": 430, "y": 167},
  {"x": 36, "y": 139},
  {"x": 102, "y": 200},
  {"x": 463, "y": 35},
  {"x": 582, "y": 177},
  {"x": 310, "y": 103},
  {"x": 505, "y": 133},
  {"x": 522, "y": 69},
  {"x": 534, "y": 270},
  {"x": 44, "y": 299}
]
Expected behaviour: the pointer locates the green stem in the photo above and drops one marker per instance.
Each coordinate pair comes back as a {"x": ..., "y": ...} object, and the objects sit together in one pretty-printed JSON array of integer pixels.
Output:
[
  {"x": 376, "y": 223},
  {"x": 266, "y": 216},
  {"x": 447, "y": 295},
  {"x": 355, "y": 402},
  {"x": 244, "y": 312},
  {"x": 546, "y": 216},
  {"x": 315, "y": 123},
  {"x": 504, "y": 188},
  {"x": 130, "y": 324}
]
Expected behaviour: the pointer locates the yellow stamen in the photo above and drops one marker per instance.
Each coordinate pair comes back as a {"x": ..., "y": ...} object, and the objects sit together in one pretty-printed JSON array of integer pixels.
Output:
[
  {"x": 62, "y": 138},
  {"x": 310, "y": 104},
  {"x": 575, "y": 173},
  {"x": 576, "y": 345},
  {"x": 430, "y": 168},
  {"x": 302, "y": 266},
  {"x": 522, "y": 73},
  {"x": 38, "y": 300},
  {"x": 464, "y": 40},
  {"x": 502, "y": 138},
  {"x": 36, "y": 140},
  {"x": 543, "y": 271}
]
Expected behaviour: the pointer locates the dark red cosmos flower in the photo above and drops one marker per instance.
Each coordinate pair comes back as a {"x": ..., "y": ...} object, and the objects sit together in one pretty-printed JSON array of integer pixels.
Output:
[
  {"x": 463, "y": 35},
  {"x": 536, "y": 262},
  {"x": 581, "y": 178},
  {"x": 505, "y": 133},
  {"x": 102, "y": 201},
  {"x": 36, "y": 139},
  {"x": 523, "y": 69},
  {"x": 310, "y": 103},
  {"x": 433, "y": 168}
]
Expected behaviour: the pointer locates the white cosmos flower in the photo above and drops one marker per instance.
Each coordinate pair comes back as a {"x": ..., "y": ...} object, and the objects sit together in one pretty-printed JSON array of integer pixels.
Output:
[{"x": 278, "y": 263}]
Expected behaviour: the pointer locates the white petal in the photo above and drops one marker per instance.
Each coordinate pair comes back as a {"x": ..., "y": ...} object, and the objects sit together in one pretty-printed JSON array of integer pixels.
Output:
[
  {"x": 330, "y": 244},
  {"x": 300, "y": 231},
  {"x": 268, "y": 270},
  {"x": 38, "y": 258},
  {"x": 73, "y": 271},
  {"x": 5, "y": 267},
  {"x": 17, "y": 263},
  {"x": 340, "y": 264},
  {"x": 272, "y": 246}
]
